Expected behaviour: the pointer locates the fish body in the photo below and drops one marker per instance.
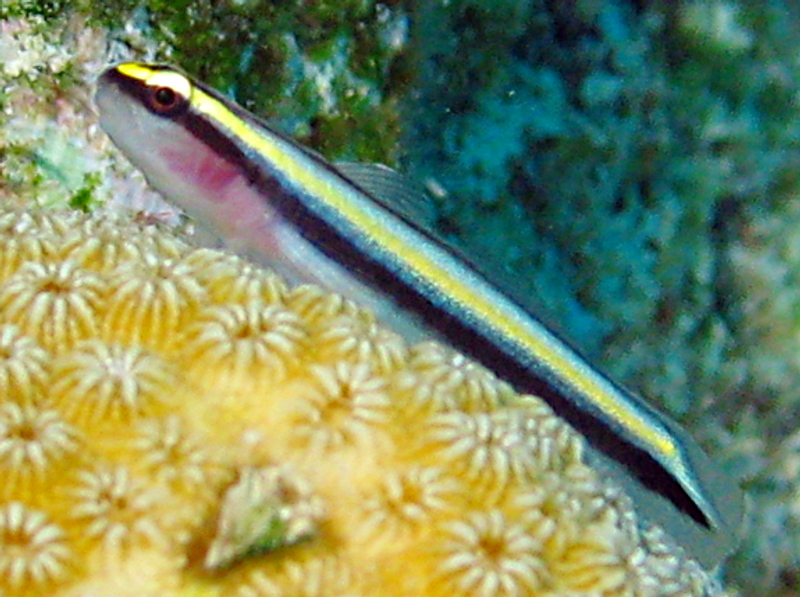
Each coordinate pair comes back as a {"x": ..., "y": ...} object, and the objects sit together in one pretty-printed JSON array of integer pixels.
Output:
[{"x": 282, "y": 204}]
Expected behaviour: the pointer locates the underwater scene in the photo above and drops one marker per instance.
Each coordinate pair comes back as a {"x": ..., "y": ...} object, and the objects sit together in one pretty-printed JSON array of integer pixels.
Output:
[{"x": 357, "y": 298}]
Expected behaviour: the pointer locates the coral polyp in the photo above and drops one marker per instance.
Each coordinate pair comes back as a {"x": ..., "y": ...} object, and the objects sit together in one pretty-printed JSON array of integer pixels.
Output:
[
  {"x": 172, "y": 455},
  {"x": 176, "y": 421},
  {"x": 360, "y": 339},
  {"x": 467, "y": 382},
  {"x": 151, "y": 300},
  {"x": 487, "y": 554},
  {"x": 495, "y": 449},
  {"x": 251, "y": 341},
  {"x": 118, "y": 509},
  {"x": 33, "y": 440},
  {"x": 22, "y": 363},
  {"x": 344, "y": 406},
  {"x": 407, "y": 500},
  {"x": 230, "y": 279},
  {"x": 98, "y": 381},
  {"x": 55, "y": 303},
  {"x": 33, "y": 551},
  {"x": 23, "y": 243}
]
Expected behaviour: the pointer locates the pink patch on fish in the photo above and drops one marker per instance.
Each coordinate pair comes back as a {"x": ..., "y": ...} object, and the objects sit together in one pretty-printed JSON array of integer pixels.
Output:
[
  {"x": 224, "y": 198},
  {"x": 202, "y": 168}
]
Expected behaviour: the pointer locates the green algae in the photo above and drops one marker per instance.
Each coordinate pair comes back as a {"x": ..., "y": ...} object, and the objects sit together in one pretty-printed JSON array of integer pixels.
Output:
[{"x": 302, "y": 65}]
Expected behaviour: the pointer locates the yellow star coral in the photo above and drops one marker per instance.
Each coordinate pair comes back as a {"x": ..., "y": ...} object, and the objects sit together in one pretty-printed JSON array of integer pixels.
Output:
[{"x": 177, "y": 422}]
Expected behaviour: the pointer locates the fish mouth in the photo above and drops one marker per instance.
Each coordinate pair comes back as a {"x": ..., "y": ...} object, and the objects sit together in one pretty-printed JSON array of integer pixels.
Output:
[
  {"x": 121, "y": 116},
  {"x": 109, "y": 100}
]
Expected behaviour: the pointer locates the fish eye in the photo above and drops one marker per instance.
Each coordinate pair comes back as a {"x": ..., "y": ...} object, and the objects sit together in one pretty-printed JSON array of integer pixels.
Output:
[
  {"x": 166, "y": 93},
  {"x": 164, "y": 100},
  {"x": 165, "y": 97}
]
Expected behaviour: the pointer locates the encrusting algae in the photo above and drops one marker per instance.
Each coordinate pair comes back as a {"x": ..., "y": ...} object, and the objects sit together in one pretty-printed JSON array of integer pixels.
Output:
[{"x": 178, "y": 422}]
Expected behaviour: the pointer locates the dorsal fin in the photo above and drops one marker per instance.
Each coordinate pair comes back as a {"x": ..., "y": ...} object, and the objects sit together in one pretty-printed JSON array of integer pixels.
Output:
[{"x": 392, "y": 190}]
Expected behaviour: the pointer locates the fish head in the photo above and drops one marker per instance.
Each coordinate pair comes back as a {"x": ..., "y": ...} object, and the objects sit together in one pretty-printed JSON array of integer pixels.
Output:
[{"x": 147, "y": 111}]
